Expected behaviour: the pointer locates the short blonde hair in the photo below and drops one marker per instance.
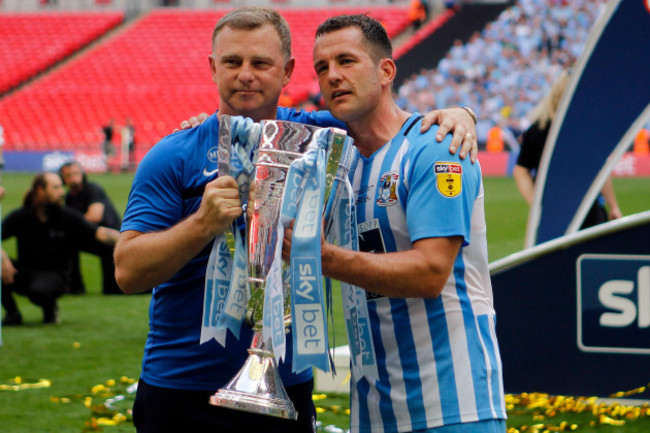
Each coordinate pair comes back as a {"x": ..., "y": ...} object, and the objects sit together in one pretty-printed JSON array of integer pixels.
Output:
[{"x": 254, "y": 17}]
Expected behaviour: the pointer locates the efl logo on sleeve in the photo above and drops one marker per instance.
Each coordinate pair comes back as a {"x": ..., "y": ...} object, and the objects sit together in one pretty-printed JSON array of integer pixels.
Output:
[
  {"x": 613, "y": 299},
  {"x": 448, "y": 178}
]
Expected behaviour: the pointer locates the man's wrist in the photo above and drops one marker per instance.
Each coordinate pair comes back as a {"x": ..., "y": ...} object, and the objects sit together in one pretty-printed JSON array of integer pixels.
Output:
[{"x": 471, "y": 113}]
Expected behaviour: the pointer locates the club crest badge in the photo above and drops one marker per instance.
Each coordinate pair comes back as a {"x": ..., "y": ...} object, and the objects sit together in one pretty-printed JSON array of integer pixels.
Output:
[
  {"x": 448, "y": 178},
  {"x": 387, "y": 190}
]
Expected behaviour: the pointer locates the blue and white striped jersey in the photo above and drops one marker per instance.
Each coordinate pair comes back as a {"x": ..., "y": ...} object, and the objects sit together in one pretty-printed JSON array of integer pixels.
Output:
[{"x": 438, "y": 359}]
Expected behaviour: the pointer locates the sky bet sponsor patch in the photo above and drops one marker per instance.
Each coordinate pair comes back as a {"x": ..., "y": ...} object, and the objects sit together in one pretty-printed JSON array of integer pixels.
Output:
[{"x": 448, "y": 178}]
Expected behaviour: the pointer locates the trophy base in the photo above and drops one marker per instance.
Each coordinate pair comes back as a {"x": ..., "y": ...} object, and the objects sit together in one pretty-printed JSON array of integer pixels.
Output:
[
  {"x": 257, "y": 387},
  {"x": 252, "y": 403}
]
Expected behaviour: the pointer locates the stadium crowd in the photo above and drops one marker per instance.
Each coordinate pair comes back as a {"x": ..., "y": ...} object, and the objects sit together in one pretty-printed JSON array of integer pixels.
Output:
[{"x": 506, "y": 69}]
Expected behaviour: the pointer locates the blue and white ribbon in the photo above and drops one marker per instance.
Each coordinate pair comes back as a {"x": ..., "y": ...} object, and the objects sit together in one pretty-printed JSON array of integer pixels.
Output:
[
  {"x": 310, "y": 340},
  {"x": 217, "y": 284},
  {"x": 226, "y": 290},
  {"x": 355, "y": 309}
]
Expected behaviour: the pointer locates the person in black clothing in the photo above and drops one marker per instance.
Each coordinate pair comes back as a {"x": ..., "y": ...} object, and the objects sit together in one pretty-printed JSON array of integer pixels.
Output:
[
  {"x": 128, "y": 145},
  {"x": 46, "y": 233},
  {"x": 107, "y": 146},
  {"x": 92, "y": 201},
  {"x": 533, "y": 141}
]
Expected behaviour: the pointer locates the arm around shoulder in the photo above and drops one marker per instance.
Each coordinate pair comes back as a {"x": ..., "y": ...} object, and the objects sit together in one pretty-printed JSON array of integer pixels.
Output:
[{"x": 461, "y": 123}]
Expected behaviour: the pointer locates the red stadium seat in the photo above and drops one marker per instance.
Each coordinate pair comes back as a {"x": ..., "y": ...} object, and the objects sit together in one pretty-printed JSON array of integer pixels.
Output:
[
  {"x": 25, "y": 35},
  {"x": 155, "y": 71}
]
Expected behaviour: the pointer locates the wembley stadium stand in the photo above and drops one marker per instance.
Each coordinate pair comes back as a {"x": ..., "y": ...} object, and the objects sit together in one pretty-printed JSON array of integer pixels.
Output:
[
  {"x": 153, "y": 69},
  {"x": 33, "y": 42}
]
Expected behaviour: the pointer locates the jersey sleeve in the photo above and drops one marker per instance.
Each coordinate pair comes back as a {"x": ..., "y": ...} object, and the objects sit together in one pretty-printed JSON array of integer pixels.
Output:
[
  {"x": 442, "y": 189},
  {"x": 155, "y": 201},
  {"x": 323, "y": 119}
]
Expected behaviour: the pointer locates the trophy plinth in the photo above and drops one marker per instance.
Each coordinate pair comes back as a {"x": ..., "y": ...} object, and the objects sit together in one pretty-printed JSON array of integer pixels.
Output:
[{"x": 257, "y": 387}]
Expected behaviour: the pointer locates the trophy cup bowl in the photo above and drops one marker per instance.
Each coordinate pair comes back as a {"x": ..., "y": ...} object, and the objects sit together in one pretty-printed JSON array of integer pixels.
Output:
[{"x": 257, "y": 386}]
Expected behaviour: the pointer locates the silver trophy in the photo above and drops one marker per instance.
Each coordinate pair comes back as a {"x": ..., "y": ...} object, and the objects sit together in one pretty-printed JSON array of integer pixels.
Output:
[{"x": 257, "y": 386}]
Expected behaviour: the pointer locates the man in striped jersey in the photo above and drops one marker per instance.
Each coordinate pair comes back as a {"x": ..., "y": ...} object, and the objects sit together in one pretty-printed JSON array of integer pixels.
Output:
[{"x": 423, "y": 262}]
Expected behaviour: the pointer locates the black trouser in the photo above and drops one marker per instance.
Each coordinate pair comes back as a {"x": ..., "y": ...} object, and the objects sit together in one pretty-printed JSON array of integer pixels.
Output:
[
  {"x": 41, "y": 287},
  {"x": 162, "y": 410},
  {"x": 105, "y": 254},
  {"x": 596, "y": 215}
]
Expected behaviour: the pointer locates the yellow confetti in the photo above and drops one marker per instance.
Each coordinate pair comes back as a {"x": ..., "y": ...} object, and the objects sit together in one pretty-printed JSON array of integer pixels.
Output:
[
  {"x": 603, "y": 419},
  {"x": 544, "y": 408},
  {"x": 19, "y": 384},
  {"x": 106, "y": 421},
  {"x": 97, "y": 388}
]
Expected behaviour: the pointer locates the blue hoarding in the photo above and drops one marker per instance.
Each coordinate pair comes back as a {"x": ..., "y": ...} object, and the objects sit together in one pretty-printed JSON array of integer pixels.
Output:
[
  {"x": 573, "y": 314},
  {"x": 613, "y": 303}
]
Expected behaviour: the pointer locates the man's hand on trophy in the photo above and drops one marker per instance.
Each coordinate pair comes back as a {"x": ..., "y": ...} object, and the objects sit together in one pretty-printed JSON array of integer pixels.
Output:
[
  {"x": 288, "y": 234},
  {"x": 460, "y": 123},
  {"x": 220, "y": 205},
  {"x": 192, "y": 122}
]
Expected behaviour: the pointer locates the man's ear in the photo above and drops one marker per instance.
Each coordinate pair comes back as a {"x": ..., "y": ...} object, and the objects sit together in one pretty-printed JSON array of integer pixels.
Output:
[
  {"x": 389, "y": 71},
  {"x": 213, "y": 67},
  {"x": 288, "y": 71}
]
